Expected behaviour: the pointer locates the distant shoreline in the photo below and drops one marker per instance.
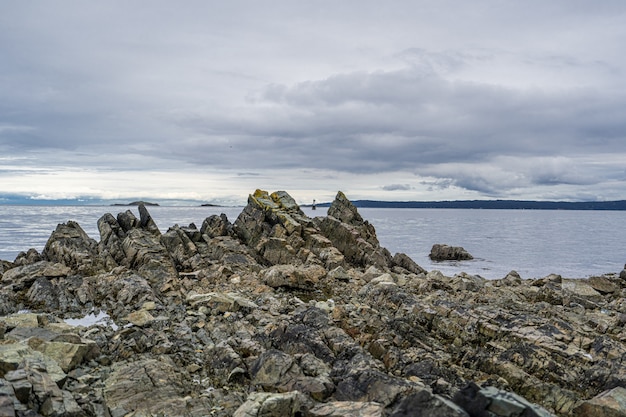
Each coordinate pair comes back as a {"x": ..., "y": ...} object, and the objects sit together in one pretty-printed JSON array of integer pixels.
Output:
[{"x": 492, "y": 204}]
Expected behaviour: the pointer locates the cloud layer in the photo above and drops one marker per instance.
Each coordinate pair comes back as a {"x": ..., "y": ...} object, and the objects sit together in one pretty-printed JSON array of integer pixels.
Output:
[{"x": 416, "y": 100}]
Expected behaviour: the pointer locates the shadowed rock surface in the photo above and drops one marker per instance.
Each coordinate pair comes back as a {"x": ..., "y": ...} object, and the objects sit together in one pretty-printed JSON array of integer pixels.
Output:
[{"x": 280, "y": 314}]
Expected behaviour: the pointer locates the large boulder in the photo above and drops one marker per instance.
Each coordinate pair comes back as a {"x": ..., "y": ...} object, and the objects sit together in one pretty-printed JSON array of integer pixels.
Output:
[
  {"x": 72, "y": 247},
  {"x": 352, "y": 236},
  {"x": 441, "y": 252}
]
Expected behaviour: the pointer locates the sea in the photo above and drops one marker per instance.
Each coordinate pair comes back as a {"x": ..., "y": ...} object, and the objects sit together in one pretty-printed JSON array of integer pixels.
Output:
[{"x": 535, "y": 243}]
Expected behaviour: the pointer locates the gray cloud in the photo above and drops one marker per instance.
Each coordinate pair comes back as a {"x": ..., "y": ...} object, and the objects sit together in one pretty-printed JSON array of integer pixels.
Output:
[
  {"x": 397, "y": 187},
  {"x": 470, "y": 99}
]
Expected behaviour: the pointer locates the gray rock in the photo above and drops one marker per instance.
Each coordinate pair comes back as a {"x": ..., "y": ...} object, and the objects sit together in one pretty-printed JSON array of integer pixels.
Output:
[
  {"x": 215, "y": 225},
  {"x": 441, "y": 252},
  {"x": 146, "y": 386},
  {"x": 493, "y": 402},
  {"x": 347, "y": 409},
  {"x": 289, "y": 404},
  {"x": 611, "y": 403},
  {"x": 404, "y": 261},
  {"x": 424, "y": 404}
]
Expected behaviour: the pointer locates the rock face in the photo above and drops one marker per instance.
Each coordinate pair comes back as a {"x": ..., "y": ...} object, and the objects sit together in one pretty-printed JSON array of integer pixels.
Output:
[
  {"x": 279, "y": 314},
  {"x": 449, "y": 253}
]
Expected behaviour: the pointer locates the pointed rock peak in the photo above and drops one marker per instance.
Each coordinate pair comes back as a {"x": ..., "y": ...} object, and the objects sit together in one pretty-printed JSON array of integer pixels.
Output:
[
  {"x": 262, "y": 199},
  {"x": 146, "y": 221},
  {"x": 278, "y": 200},
  {"x": 344, "y": 210},
  {"x": 284, "y": 200}
]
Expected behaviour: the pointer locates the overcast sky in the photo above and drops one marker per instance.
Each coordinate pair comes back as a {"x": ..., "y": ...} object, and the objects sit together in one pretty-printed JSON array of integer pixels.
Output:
[{"x": 395, "y": 100}]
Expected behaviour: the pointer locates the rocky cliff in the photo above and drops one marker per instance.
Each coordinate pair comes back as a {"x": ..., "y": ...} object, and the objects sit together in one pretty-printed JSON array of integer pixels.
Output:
[{"x": 279, "y": 314}]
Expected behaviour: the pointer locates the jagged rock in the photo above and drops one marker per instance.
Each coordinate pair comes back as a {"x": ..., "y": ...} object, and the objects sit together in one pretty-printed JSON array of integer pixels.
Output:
[
  {"x": 610, "y": 403},
  {"x": 22, "y": 277},
  {"x": 145, "y": 254},
  {"x": 140, "y": 318},
  {"x": 603, "y": 285},
  {"x": 24, "y": 258},
  {"x": 492, "y": 402},
  {"x": 214, "y": 226},
  {"x": 146, "y": 386},
  {"x": 404, "y": 261},
  {"x": 145, "y": 220},
  {"x": 343, "y": 210},
  {"x": 424, "y": 404},
  {"x": 276, "y": 370},
  {"x": 347, "y": 409},
  {"x": 198, "y": 320},
  {"x": 354, "y": 237},
  {"x": 304, "y": 277},
  {"x": 72, "y": 247},
  {"x": 181, "y": 249},
  {"x": 221, "y": 302},
  {"x": 289, "y": 404},
  {"x": 15, "y": 355},
  {"x": 441, "y": 252}
]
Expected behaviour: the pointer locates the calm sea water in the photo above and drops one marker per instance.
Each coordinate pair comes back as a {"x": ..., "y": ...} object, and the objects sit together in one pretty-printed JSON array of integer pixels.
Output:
[{"x": 535, "y": 243}]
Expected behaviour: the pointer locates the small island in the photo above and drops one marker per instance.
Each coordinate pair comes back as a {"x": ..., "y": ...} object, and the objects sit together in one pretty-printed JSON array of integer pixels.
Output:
[{"x": 135, "y": 203}]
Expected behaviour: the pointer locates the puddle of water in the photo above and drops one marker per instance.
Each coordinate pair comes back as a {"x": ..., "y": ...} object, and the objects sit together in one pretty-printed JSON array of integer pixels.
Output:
[{"x": 93, "y": 319}]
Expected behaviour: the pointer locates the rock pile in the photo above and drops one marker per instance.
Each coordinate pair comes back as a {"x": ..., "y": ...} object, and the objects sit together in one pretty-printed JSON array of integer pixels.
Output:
[{"x": 279, "y": 314}]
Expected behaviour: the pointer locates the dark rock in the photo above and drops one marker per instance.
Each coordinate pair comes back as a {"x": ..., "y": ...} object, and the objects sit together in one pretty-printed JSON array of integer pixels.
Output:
[
  {"x": 441, "y": 252},
  {"x": 145, "y": 220},
  {"x": 424, "y": 404},
  {"x": 215, "y": 225},
  {"x": 492, "y": 402},
  {"x": 404, "y": 261},
  {"x": 70, "y": 246}
]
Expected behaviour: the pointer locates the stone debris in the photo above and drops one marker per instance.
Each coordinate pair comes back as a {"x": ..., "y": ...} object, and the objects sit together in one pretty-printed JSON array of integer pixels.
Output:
[{"x": 280, "y": 314}]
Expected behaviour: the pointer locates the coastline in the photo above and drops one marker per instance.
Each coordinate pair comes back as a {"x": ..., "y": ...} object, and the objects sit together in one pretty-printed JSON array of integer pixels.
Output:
[{"x": 311, "y": 314}]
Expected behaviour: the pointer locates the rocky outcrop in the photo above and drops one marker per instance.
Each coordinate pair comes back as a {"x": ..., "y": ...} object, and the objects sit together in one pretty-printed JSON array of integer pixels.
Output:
[
  {"x": 279, "y": 314},
  {"x": 449, "y": 253}
]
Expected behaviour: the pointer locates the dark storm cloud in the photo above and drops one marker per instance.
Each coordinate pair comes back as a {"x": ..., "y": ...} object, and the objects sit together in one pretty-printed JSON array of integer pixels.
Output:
[{"x": 383, "y": 121}]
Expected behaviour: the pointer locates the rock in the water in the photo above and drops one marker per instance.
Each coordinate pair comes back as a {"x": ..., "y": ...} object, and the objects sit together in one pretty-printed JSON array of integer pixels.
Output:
[{"x": 441, "y": 252}]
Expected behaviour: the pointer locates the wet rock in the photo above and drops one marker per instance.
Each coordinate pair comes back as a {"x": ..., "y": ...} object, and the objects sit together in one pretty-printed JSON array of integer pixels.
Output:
[{"x": 441, "y": 252}]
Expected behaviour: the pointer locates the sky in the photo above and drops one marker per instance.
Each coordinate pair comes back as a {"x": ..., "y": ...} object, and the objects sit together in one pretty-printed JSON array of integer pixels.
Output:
[{"x": 206, "y": 101}]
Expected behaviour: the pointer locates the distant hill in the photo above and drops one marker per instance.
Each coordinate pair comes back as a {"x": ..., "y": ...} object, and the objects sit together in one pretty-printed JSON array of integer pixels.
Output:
[
  {"x": 493, "y": 204},
  {"x": 135, "y": 203}
]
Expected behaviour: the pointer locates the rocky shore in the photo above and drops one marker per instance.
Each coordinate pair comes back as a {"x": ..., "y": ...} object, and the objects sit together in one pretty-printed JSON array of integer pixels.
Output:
[{"x": 279, "y": 314}]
